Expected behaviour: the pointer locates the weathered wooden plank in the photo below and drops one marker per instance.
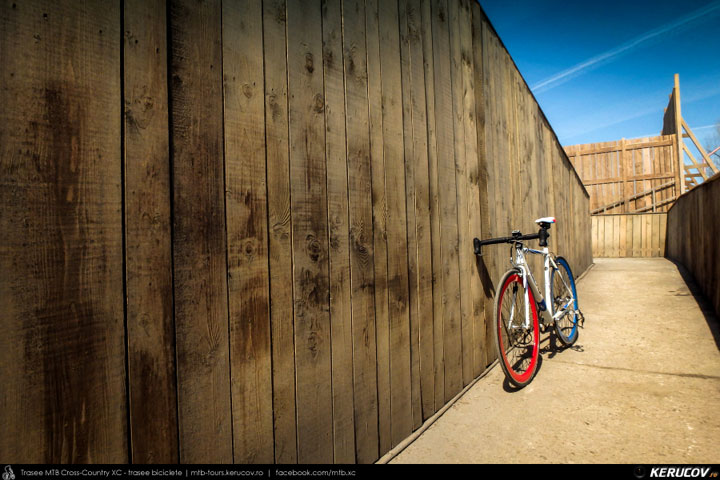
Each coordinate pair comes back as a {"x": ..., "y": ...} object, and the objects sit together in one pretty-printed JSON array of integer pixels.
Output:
[
  {"x": 377, "y": 160},
  {"x": 656, "y": 235},
  {"x": 601, "y": 236},
  {"x": 462, "y": 184},
  {"x": 594, "y": 220},
  {"x": 361, "y": 232},
  {"x": 247, "y": 232},
  {"x": 622, "y": 232},
  {"x": 63, "y": 343},
  {"x": 452, "y": 349},
  {"x": 199, "y": 248},
  {"x": 637, "y": 236},
  {"x": 418, "y": 210},
  {"x": 393, "y": 149},
  {"x": 422, "y": 206},
  {"x": 607, "y": 248},
  {"x": 309, "y": 232},
  {"x": 410, "y": 213},
  {"x": 434, "y": 187},
  {"x": 644, "y": 237},
  {"x": 339, "y": 239},
  {"x": 148, "y": 248},
  {"x": 483, "y": 265},
  {"x": 473, "y": 189},
  {"x": 490, "y": 260},
  {"x": 279, "y": 230},
  {"x": 663, "y": 235}
]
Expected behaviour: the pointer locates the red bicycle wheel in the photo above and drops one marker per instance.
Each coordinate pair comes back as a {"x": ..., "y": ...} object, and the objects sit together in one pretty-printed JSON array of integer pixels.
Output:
[{"x": 518, "y": 344}]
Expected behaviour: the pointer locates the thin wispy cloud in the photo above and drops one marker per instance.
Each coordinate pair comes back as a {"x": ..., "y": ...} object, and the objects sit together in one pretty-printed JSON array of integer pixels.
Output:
[
  {"x": 572, "y": 72},
  {"x": 704, "y": 127},
  {"x": 637, "y": 113}
]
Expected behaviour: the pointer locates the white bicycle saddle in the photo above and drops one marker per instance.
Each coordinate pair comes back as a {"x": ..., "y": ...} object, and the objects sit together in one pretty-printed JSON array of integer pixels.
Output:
[{"x": 545, "y": 220}]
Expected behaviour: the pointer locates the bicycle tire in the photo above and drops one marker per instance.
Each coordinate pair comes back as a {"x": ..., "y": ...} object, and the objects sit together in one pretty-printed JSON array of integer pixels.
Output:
[
  {"x": 520, "y": 368},
  {"x": 566, "y": 327}
]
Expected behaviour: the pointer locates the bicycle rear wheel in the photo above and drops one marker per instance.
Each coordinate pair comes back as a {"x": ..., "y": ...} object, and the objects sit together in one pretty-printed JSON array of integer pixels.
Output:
[
  {"x": 517, "y": 339},
  {"x": 564, "y": 295}
]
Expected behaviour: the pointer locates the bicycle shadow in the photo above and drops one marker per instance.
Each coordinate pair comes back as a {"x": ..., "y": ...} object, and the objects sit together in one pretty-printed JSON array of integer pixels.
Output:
[{"x": 552, "y": 347}]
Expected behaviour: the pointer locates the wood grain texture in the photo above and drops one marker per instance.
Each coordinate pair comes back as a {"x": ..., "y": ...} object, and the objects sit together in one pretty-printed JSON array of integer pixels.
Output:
[
  {"x": 482, "y": 266},
  {"x": 410, "y": 214},
  {"x": 338, "y": 231},
  {"x": 419, "y": 224},
  {"x": 279, "y": 230},
  {"x": 309, "y": 232},
  {"x": 620, "y": 175},
  {"x": 438, "y": 305},
  {"x": 449, "y": 242},
  {"x": 629, "y": 235},
  {"x": 484, "y": 325},
  {"x": 379, "y": 202},
  {"x": 462, "y": 185},
  {"x": 63, "y": 343},
  {"x": 396, "y": 227},
  {"x": 199, "y": 241},
  {"x": 362, "y": 258},
  {"x": 148, "y": 243},
  {"x": 247, "y": 232},
  {"x": 299, "y": 184}
]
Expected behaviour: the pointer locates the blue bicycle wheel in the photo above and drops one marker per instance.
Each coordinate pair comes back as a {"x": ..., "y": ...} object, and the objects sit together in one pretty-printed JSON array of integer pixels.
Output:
[{"x": 564, "y": 296}]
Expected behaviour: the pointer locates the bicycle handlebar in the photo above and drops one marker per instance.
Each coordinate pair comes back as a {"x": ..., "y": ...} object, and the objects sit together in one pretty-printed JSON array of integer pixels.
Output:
[{"x": 477, "y": 243}]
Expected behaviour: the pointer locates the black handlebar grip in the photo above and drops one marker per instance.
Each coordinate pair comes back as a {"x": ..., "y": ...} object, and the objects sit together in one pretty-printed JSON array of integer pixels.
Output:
[{"x": 476, "y": 246}]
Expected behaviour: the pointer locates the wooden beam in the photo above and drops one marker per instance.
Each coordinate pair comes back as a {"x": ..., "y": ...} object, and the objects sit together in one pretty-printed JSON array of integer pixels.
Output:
[
  {"x": 648, "y": 176},
  {"x": 678, "y": 134},
  {"x": 700, "y": 167},
  {"x": 637, "y": 195},
  {"x": 702, "y": 151},
  {"x": 660, "y": 204},
  {"x": 572, "y": 150}
]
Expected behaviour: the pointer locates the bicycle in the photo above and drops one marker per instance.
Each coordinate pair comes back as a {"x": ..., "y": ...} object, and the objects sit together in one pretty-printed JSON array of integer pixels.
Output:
[{"x": 517, "y": 306}]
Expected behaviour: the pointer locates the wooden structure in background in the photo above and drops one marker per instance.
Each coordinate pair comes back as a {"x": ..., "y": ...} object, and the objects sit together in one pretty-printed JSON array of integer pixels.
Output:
[
  {"x": 693, "y": 233},
  {"x": 629, "y": 235},
  {"x": 642, "y": 174},
  {"x": 674, "y": 124},
  {"x": 628, "y": 176},
  {"x": 241, "y": 231}
]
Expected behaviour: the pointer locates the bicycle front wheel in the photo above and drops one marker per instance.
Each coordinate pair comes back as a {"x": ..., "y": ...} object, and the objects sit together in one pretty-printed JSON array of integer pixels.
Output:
[
  {"x": 517, "y": 335},
  {"x": 564, "y": 296}
]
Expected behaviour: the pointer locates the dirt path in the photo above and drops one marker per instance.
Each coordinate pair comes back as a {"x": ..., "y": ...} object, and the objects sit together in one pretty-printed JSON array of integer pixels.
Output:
[{"x": 641, "y": 386}]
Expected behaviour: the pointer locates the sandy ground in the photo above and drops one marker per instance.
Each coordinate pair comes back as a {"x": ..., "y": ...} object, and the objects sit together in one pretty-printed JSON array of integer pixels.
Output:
[{"x": 642, "y": 384}]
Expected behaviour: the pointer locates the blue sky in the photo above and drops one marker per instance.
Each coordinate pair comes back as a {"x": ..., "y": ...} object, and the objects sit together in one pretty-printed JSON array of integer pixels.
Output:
[{"x": 602, "y": 71}]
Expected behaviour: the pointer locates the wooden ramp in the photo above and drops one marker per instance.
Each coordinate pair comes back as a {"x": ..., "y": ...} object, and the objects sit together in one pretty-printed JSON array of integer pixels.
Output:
[{"x": 640, "y": 386}]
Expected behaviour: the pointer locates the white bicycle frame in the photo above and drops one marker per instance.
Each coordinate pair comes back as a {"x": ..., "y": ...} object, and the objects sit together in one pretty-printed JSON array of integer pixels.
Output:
[{"x": 548, "y": 315}]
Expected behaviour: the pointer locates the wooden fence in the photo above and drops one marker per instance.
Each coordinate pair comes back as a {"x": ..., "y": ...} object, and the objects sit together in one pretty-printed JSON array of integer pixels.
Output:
[
  {"x": 633, "y": 235},
  {"x": 642, "y": 174},
  {"x": 241, "y": 231},
  {"x": 628, "y": 176},
  {"x": 693, "y": 233}
]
